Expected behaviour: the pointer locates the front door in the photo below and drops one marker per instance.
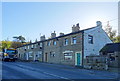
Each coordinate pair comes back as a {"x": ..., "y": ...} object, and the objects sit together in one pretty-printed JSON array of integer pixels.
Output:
[
  {"x": 35, "y": 56},
  {"x": 27, "y": 56},
  {"x": 78, "y": 59},
  {"x": 46, "y": 58}
]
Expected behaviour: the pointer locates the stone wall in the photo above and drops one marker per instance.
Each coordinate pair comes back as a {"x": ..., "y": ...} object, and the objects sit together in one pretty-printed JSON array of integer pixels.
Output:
[
  {"x": 55, "y": 53},
  {"x": 96, "y": 62}
]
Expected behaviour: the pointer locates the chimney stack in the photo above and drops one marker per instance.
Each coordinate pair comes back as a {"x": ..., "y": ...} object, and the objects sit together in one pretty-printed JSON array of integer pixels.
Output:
[
  {"x": 75, "y": 28},
  {"x": 42, "y": 38},
  {"x": 61, "y": 34},
  {"x": 53, "y": 35},
  {"x": 99, "y": 23},
  {"x": 77, "y": 25}
]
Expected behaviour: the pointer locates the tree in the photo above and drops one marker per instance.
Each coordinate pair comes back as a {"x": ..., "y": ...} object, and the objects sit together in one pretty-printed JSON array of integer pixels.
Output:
[
  {"x": 6, "y": 44},
  {"x": 117, "y": 39},
  {"x": 111, "y": 33},
  {"x": 0, "y": 46},
  {"x": 20, "y": 39},
  {"x": 16, "y": 44}
]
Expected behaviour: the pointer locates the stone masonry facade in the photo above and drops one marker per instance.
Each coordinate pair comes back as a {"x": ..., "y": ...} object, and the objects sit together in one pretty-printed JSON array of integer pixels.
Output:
[
  {"x": 59, "y": 49},
  {"x": 68, "y": 49}
]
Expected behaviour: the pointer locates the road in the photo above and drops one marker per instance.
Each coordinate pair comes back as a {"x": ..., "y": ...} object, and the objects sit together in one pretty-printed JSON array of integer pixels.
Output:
[{"x": 45, "y": 71}]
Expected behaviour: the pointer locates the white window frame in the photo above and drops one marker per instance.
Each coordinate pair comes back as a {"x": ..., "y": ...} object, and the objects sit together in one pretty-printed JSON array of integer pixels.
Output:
[
  {"x": 28, "y": 47},
  {"x": 30, "y": 54},
  {"x": 40, "y": 44},
  {"x": 48, "y": 43},
  {"x": 90, "y": 39},
  {"x": 66, "y": 42},
  {"x": 52, "y": 54},
  {"x": 35, "y": 45},
  {"x": 25, "y": 47},
  {"x": 54, "y": 43},
  {"x": 32, "y": 46},
  {"x": 72, "y": 40},
  {"x": 68, "y": 56}
]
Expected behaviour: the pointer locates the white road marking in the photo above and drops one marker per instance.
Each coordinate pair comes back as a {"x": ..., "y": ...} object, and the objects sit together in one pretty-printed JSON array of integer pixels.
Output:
[
  {"x": 25, "y": 68},
  {"x": 57, "y": 76}
]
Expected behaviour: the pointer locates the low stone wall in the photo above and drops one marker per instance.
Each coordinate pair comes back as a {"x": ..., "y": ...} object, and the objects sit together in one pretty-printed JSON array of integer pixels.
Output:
[{"x": 96, "y": 62}]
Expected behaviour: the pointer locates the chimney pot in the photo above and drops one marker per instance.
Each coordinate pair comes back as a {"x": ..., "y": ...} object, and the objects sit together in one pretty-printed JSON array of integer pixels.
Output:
[
  {"x": 53, "y": 35},
  {"x": 77, "y": 24},
  {"x": 75, "y": 28},
  {"x": 61, "y": 34},
  {"x": 99, "y": 23},
  {"x": 42, "y": 38}
]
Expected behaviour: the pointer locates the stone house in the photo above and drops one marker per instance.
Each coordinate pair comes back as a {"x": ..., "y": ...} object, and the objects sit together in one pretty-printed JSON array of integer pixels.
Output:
[
  {"x": 71, "y": 48},
  {"x": 31, "y": 52},
  {"x": 62, "y": 49}
]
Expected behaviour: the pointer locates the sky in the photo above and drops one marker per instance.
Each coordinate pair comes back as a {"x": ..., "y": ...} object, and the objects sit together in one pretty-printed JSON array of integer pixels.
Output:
[{"x": 34, "y": 19}]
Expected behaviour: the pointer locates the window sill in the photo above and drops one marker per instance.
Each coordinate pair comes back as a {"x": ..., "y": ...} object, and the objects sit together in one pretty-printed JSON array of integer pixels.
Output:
[{"x": 73, "y": 43}]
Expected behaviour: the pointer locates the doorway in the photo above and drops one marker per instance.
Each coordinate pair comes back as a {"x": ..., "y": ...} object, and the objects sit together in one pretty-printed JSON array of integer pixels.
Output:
[
  {"x": 78, "y": 59},
  {"x": 46, "y": 57}
]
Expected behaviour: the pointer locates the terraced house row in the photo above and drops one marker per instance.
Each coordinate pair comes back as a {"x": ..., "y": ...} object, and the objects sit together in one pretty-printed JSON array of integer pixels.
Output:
[{"x": 69, "y": 49}]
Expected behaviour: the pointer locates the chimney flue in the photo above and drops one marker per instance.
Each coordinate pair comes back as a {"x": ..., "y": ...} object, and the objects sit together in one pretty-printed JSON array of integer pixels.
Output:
[
  {"x": 53, "y": 35},
  {"x": 75, "y": 28},
  {"x": 61, "y": 34},
  {"x": 42, "y": 38},
  {"x": 99, "y": 23},
  {"x": 77, "y": 25}
]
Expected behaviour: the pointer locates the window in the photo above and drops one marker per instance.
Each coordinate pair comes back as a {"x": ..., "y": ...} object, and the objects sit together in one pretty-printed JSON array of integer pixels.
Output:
[
  {"x": 54, "y": 43},
  {"x": 40, "y": 44},
  {"x": 30, "y": 54},
  {"x": 32, "y": 46},
  {"x": 68, "y": 56},
  {"x": 48, "y": 43},
  {"x": 40, "y": 53},
  {"x": 52, "y": 54},
  {"x": 66, "y": 41},
  {"x": 28, "y": 47},
  {"x": 19, "y": 55},
  {"x": 35, "y": 45},
  {"x": 90, "y": 39},
  {"x": 25, "y": 47},
  {"x": 74, "y": 41}
]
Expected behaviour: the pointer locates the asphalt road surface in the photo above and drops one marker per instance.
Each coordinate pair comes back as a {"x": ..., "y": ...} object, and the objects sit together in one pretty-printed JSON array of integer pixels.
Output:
[{"x": 44, "y": 71}]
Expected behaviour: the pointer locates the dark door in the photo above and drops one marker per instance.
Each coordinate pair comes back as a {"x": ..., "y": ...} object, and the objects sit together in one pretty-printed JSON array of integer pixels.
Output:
[{"x": 46, "y": 57}]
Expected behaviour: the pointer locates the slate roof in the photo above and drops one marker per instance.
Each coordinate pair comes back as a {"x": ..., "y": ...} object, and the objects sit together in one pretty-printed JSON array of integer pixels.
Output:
[
  {"x": 72, "y": 33},
  {"x": 111, "y": 47},
  {"x": 60, "y": 36}
]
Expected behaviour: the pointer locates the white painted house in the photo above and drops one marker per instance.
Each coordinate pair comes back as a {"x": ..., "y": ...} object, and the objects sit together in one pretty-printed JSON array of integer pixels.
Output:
[{"x": 94, "y": 40}]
